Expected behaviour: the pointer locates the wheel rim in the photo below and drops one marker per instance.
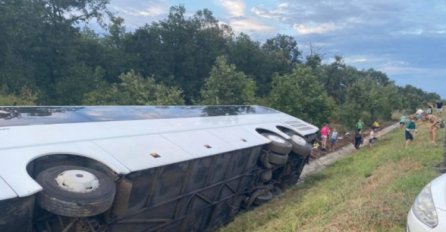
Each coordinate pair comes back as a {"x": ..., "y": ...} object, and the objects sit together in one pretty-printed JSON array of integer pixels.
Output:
[
  {"x": 299, "y": 140},
  {"x": 78, "y": 181},
  {"x": 276, "y": 139}
]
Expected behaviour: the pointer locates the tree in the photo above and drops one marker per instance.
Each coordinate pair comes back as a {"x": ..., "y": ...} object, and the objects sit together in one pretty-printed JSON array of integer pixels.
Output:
[
  {"x": 314, "y": 61},
  {"x": 75, "y": 11},
  {"x": 226, "y": 86},
  {"x": 134, "y": 90},
  {"x": 179, "y": 50},
  {"x": 246, "y": 54},
  {"x": 26, "y": 97},
  {"x": 337, "y": 77},
  {"x": 301, "y": 94},
  {"x": 368, "y": 100},
  {"x": 41, "y": 42},
  {"x": 75, "y": 82},
  {"x": 413, "y": 98},
  {"x": 284, "y": 48}
]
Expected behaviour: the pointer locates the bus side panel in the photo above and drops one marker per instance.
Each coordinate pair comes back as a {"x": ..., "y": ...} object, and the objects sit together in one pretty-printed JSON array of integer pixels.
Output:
[
  {"x": 196, "y": 195},
  {"x": 16, "y": 214}
]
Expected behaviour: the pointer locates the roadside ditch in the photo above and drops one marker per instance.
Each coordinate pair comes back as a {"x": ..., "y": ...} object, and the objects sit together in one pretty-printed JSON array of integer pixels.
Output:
[{"x": 316, "y": 165}]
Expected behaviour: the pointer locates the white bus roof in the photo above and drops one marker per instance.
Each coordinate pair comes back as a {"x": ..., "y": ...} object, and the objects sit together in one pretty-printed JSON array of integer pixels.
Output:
[
  {"x": 128, "y": 138},
  {"x": 20, "y": 116}
]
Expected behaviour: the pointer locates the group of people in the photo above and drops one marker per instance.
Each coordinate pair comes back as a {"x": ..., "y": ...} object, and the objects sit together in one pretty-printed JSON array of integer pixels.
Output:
[
  {"x": 359, "y": 132},
  {"x": 329, "y": 137},
  {"x": 327, "y": 133},
  {"x": 434, "y": 121}
]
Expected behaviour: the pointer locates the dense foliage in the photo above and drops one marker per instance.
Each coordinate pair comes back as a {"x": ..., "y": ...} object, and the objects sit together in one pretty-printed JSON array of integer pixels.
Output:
[{"x": 48, "y": 59}]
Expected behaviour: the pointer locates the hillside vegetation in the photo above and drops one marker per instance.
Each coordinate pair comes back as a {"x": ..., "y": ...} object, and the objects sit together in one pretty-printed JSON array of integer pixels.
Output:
[
  {"x": 372, "y": 190},
  {"x": 49, "y": 56}
]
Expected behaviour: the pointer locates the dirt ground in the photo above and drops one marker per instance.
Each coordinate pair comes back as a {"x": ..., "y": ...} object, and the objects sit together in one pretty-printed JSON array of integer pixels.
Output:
[
  {"x": 346, "y": 138},
  {"x": 343, "y": 149}
]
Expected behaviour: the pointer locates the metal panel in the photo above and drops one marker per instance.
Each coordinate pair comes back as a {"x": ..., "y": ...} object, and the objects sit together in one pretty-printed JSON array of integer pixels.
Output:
[
  {"x": 142, "y": 152},
  {"x": 239, "y": 138},
  {"x": 195, "y": 195},
  {"x": 302, "y": 127},
  {"x": 5, "y": 191},
  {"x": 199, "y": 143}
]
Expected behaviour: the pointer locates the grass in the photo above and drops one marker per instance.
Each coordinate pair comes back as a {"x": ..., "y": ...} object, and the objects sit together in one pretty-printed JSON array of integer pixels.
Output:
[{"x": 372, "y": 190}]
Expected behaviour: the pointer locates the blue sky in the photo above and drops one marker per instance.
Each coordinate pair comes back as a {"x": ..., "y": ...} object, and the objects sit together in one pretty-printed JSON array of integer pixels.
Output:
[{"x": 404, "y": 39}]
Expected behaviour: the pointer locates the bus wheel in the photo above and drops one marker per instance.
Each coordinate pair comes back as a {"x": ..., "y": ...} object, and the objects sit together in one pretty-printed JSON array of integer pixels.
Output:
[
  {"x": 278, "y": 144},
  {"x": 300, "y": 146},
  {"x": 263, "y": 198},
  {"x": 73, "y": 191},
  {"x": 277, "y": 159},
  {"x": 266, "y": 175}
]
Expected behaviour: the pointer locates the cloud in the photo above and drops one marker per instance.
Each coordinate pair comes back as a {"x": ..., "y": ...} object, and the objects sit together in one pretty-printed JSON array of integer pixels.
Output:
[
  {"x": 138, "y": 13},
  {"x": 153, "y": 11},
  {"x": 326, "y": 16},
  {"x": 419, "y": 71},
  {"x": 148, "y": 11},
  {"x": 399, "y": 70},
  {"x": 279, "y": 13},
  {"x": 243, "y": 24},
  {"x": 238, "y": 19},
  {"x": 235, "y": 8},
  {"x": 356, "y": 59},
  {"x": 313, "y": 28}
]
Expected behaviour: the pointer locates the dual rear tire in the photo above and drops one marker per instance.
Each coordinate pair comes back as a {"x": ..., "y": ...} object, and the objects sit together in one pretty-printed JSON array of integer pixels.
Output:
[{"x": 73, "y": 191}]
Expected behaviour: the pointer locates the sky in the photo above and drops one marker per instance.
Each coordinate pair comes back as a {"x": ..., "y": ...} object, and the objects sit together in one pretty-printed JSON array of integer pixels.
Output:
[{"x": 404, "y": 39}]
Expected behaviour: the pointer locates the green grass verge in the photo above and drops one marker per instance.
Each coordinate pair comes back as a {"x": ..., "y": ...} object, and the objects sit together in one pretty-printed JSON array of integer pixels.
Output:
[{"x": 372, "y": 190}]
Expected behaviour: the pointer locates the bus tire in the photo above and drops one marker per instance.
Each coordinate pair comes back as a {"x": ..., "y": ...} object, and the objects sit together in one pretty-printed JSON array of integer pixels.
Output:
[
  {"x": 263, "y": 198},
  {"x": 264, "y": 160},
  {"x": 266, "y": 175},
  {"x": 278, "y": 144},
  {"x": 300, "y": 146},
  {"x": 277, "y": 159},
  {"x": 73, "y": 191}
]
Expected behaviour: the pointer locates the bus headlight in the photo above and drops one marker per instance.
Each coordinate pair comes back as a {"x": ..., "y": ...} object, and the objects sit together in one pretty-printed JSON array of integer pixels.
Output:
[{"x": 424, "y": 208}]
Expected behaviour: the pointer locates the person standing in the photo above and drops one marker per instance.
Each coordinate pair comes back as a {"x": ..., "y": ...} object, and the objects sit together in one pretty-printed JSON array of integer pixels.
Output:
[
  {"x": 410, "y": 130},
  {"x": 375, "y": 125},
  {"x": 358, "y": 138},
  {"x": 419, "y": 114},
  {"x": 439, "y": 107},
  {"x": 403, "y": 121},
  {"x": 325, "y": 131},
  {"x": 360, "y": 125},
  {"x": 430, "y": 108},
  {"x": 333, "y": 139},
  {"x": 372, "y": 137},
  {"x": 434, "y": 123}
]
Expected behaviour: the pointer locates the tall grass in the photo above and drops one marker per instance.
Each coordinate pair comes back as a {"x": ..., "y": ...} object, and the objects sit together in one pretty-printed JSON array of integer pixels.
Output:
[{"x": 372, "y": 190}]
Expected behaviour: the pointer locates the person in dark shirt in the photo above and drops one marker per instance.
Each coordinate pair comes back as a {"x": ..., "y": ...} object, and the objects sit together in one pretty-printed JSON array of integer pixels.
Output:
[
  {"x": 358, "y": 138},
  {"x": 410, "y": 130},
  {"x": 439, "y": 107}
]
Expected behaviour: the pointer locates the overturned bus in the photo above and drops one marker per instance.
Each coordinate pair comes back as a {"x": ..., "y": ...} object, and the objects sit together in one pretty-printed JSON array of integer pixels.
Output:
[{"x": 143, "y": 168}]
